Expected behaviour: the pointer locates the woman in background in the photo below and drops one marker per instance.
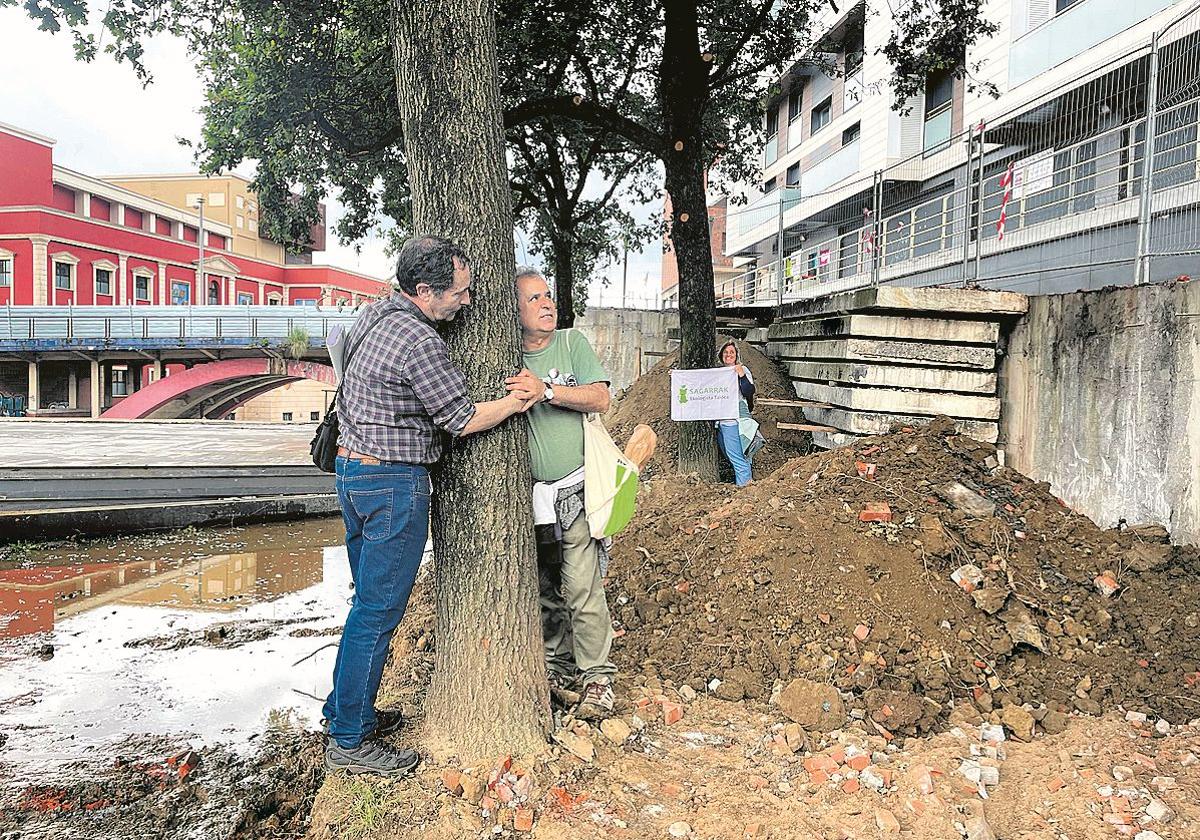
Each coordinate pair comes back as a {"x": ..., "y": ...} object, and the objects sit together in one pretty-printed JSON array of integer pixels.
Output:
[{"x": 739, "y": 439}]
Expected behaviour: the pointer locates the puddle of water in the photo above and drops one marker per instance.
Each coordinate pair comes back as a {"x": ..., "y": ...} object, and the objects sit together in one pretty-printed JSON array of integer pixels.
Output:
[{"x": 191, "y": 682}]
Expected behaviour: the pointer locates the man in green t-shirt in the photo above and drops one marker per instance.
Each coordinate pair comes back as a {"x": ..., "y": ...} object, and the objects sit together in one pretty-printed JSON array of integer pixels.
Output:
[{"x": 576, "y": 625}]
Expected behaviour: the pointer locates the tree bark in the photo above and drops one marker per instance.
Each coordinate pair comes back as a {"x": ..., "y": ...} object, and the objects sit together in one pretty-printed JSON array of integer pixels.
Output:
[
  {"x": 684, "y": 94},
  {"x": 564, "y": 280},
  {"x": 488, "y": 695}
]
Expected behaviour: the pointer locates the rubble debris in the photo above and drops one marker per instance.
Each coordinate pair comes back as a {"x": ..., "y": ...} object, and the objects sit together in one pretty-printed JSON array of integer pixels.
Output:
[
  {"x": 815, "y": 706},
  {"x": 966, "y": 500},
  {"x": 777, "y": 592}
]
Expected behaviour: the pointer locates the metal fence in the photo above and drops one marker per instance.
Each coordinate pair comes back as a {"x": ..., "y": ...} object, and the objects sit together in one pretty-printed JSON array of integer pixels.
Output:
[{"x": 1054, "y": 196}]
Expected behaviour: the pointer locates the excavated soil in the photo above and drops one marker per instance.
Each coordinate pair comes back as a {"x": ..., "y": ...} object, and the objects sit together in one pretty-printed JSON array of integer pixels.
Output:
[
  {"x": 781, "y": 580},
  {"x": 647, "y": 401}
]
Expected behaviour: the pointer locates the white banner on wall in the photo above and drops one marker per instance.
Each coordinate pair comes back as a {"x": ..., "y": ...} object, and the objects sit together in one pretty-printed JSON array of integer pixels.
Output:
[{"x": 706, "y": 394}]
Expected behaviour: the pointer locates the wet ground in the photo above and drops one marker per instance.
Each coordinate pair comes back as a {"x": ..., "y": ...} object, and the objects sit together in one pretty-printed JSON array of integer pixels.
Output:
[{"x": 118, "y": 656}]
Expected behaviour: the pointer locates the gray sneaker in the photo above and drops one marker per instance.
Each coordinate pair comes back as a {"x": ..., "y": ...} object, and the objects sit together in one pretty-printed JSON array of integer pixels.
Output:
[
  {"x": 597, "y": 703},
  {"x": 370, "y": 757}
]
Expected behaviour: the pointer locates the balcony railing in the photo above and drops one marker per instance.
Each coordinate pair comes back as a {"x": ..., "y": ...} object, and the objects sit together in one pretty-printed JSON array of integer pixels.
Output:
[{"x": 108, "y": 323}]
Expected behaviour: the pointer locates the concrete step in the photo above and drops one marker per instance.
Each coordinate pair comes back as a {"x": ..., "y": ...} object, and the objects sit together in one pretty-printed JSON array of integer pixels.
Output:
[
  {"x": 904, "y": 299},
  {"x": 888, "y": 326},
  {"x": 893, "y": 376},
  {"x": 893, "y": 401},
  {"x": 879, "y": 423},
  {"x": 834, "y": 440},
  {"x": 886, "y": 350}
]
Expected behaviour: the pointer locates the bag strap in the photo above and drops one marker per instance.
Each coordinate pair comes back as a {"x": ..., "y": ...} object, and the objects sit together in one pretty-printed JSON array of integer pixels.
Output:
[{"x": 387, "y": 310}]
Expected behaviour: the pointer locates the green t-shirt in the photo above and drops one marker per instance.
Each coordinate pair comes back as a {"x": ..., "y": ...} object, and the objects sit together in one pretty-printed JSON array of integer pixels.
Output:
[{"x": 556, "y": 434}]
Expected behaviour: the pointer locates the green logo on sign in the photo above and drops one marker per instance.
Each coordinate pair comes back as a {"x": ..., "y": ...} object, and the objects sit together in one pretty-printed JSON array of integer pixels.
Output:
[{"x": 682, "y": 394}]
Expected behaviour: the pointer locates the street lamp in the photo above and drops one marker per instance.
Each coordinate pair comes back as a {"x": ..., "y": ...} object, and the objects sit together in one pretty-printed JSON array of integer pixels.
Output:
[{"x": 200, "y": 288}]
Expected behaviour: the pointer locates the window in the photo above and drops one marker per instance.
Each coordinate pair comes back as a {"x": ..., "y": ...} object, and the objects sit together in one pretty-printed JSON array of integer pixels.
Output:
[
  {"x": 254, "y": 226},
  {"x": 120, "y": 382},
  {"x": 245, "y": 299},
  {"x": 141, "y": 287},
  {"x": 64, "y": 274},
  {"x": 216, "y": 199},
  {"x": 793, "y": 175},
  {"x": 191, "y": 199},
  {"x": 851, "y": 134},
  {"x": 939, "y": 98},
  {"x": 854, "y": 51},
  {"x": 181, "y": 293},
  {"x": 1063, "y": 5},
  {"x": 772, "y": 121},
  {"x": 273, "y": 300},
  {"x": 821, "y": 114},
  {"x": 769, "y": 186},
  {"x": 240, "y": 202},
  {"x": 214, "y": 292},
  {"x": 308, "y": 302},
  {"x": 241, "y": 222},
  {"x": 794, "y": 99},
  {"x": 314, "y": 415},
  {"x": 6, "y": 272},
  {"x": 287, "y": 416},
  {"x": 103, "y": 281}
]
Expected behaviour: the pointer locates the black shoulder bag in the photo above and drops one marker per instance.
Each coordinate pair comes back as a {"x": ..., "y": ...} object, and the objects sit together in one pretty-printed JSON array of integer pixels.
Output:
[{"x": 324, "y": 444}]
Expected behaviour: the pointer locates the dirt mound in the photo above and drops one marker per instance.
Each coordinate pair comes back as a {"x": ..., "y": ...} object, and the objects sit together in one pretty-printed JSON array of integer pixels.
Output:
[
  {"x": 647, "y": 401},
  {"x": 782, "y": 580}
]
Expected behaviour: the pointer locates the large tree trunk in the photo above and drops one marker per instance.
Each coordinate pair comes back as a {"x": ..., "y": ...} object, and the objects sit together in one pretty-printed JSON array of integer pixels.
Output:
[
  {"x": 564, "y": 280},
  {"x": 684, "y": 95},
  {"x": 488, "y": 694}
]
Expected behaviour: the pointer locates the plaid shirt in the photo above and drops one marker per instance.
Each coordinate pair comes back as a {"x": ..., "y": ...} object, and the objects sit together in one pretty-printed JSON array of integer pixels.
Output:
[{"x": 400, "y": 394}]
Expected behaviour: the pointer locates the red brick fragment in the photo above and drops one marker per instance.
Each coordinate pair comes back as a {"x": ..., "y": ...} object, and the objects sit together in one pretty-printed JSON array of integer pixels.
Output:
[{"x": 876, "y": 512}]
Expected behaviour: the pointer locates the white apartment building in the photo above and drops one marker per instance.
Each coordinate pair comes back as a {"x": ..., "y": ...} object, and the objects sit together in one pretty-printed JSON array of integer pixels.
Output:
[{"x": 855, "y": 190}]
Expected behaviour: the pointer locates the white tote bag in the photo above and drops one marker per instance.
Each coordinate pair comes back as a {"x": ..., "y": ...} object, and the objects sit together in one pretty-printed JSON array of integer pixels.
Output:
[{"x": 610, "y": 481}]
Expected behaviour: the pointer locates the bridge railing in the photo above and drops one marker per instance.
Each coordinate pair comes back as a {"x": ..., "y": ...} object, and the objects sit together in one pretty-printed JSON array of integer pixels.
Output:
[{"x": 169, "y": 322}]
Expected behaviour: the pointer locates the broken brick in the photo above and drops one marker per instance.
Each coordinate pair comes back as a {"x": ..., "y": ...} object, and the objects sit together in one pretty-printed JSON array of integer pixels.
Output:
[
  {"x": 887, "y": 821},
  {"x": 751, "y": 830},
  {"x": 859, "y": 762},
  {"x": 850, "y": 785},
  {"x": 523, "y": 820},
  {"x": 922, "y": 778},
  {"x": 861, "y": 632},
  {"x": 672, "y": 713},
  {"x": 876, "y": 512},
  {"x": 1056, "y": 784},
  {"x": 452, "y": 780}
]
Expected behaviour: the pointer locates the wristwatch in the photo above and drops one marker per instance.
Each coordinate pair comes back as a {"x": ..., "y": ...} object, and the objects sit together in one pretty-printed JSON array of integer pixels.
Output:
[{"x": 548, "y": 394}]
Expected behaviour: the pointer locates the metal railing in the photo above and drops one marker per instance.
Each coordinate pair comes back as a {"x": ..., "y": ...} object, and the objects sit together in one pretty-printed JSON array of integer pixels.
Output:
[
  {"x": 106, "y": 323},
  {"x": 1049, "y": 197}
]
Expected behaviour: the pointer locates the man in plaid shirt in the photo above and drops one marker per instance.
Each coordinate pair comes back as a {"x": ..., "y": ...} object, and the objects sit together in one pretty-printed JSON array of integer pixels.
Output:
[{"x": 400, "y": 399}]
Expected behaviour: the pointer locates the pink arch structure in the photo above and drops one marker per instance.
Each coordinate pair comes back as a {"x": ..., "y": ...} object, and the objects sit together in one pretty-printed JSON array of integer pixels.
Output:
[{"x": 214, "y": 389}]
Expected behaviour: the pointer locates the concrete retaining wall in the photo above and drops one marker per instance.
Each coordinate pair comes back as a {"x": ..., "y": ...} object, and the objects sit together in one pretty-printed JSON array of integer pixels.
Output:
[
  {"x": 1100, "y": 399},
  {"x": 623, "y": 338}
]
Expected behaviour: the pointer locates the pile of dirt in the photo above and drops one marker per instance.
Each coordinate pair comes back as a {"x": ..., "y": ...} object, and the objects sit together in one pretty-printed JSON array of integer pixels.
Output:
[
  {"x": 647, "y": 401},
  {"x": 748, "y": 591}
]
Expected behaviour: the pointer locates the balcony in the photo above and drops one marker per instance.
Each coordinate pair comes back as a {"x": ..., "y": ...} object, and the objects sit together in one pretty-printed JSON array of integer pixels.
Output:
[
  {"x": 1073, "y": 32},
  {"x": 763, "y": 209},
  {"x": 839, "y": 166}
]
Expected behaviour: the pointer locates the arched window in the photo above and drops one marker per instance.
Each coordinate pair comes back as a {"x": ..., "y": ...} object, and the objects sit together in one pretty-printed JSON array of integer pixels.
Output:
[{"x": 214, "y": 292}]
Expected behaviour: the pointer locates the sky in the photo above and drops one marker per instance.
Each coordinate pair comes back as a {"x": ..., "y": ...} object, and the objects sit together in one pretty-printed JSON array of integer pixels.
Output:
[{"x": 106, "y": 123}]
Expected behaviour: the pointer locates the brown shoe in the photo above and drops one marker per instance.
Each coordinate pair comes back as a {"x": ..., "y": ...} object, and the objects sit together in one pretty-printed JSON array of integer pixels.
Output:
[{"x": 597, "y": 703}]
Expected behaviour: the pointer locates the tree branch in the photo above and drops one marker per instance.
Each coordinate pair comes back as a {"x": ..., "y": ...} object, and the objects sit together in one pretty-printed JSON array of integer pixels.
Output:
[
  {"x": 352, "y": 150},
  {"x": 590, "y": 113},
  {"x": 720, "y": 74}
]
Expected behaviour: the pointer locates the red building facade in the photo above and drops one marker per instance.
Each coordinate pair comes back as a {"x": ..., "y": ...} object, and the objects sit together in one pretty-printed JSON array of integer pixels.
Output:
[{"x": 71, "y": 239}]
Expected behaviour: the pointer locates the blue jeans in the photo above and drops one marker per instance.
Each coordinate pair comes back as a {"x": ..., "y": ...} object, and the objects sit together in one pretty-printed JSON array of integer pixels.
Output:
[
  {"x": 730, "y": 440},
  {"x": 386, "y": 510}
]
